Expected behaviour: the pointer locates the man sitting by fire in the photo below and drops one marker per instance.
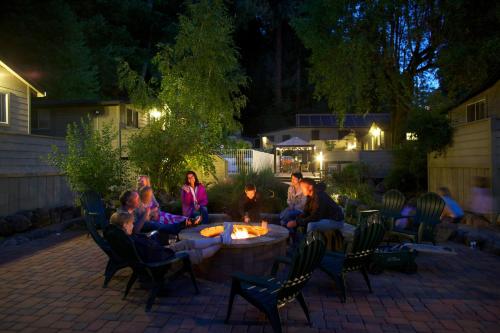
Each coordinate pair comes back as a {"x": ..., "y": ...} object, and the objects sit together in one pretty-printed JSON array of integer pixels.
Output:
[
  {"x": 320, "y": 211},
  {"x": 122, "y": 224}
]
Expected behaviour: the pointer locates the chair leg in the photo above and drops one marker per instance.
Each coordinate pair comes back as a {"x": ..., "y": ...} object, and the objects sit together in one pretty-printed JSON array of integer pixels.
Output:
[
  {"x": 130, "y": 283},
  {"x": 109, "y": 273},
  {"x": 303, "y": 305},
  {"x": 231, "y": 301},
  {"x": 189, "y": 269},
  {"x": 152, "y": 296},
  {"x": 340, "y": 283},
  {"x": 367, "y": 280},
  {"x": 274, "y": 318}
]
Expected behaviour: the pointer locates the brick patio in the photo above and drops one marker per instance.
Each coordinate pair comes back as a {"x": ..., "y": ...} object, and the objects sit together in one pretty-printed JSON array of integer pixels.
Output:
[{"x": 54, "y": 285}]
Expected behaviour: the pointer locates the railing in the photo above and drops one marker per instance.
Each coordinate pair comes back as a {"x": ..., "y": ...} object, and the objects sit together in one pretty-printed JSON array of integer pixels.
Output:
[{"x": 246, "y": 160}]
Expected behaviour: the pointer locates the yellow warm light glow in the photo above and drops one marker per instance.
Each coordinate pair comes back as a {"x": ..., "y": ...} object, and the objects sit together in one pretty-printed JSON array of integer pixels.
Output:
[
  {"x": 155, "y": 114},
  {"x": 351, "y": 146},
  {"x": 411, "y": 136},
  {"x": 240, "y": 233},
  {"x": 320, "y": 157},
  {"x": 375, "y": 131}
]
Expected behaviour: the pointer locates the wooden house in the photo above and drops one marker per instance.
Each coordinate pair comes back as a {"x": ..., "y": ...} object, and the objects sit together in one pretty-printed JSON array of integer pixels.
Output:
[
  {"x": 26, "y": 180},
  {"x": 328, "y": 144},
  {"x": 52, "y": 117},
  {"x": 475, "y": 150}
]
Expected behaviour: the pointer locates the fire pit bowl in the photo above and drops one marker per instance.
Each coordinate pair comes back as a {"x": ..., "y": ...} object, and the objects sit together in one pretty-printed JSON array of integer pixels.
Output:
[{"x": 252, "y": 255}]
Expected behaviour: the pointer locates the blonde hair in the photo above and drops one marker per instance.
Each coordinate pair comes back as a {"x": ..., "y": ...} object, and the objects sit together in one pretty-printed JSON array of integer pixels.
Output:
[
  {"x": 121, "y": 218},
  {"x": 147, "y": 182},
  {"x": 143, "y": 190}
]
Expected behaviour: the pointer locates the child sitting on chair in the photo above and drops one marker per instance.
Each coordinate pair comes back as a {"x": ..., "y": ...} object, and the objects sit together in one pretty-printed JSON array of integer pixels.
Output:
[
  {"x": 149, "y": 250},
  {"x": 147, "y": 201}
]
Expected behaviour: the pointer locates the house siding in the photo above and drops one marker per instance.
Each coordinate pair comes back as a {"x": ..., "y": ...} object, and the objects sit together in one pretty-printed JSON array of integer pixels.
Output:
[
  {"x": 30, "y": 181},
  {"x": 18, "y": 103},
  {"x": 469, "y": 157}
]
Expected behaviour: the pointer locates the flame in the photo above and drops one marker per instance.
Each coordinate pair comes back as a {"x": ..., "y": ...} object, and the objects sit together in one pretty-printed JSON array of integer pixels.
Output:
[{"x": 240, "y": 233}]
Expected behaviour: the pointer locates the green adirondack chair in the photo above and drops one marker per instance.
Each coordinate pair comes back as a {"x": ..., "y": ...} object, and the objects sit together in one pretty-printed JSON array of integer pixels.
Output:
[
  {"x": 270, "y": 293},
  {"x": 357, "y": 258},
  {"x": 393, "y": 203},
  {"x": 429, "y": 209}
]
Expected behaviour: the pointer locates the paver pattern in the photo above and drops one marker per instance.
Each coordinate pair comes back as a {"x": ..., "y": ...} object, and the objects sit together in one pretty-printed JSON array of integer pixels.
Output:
[{"x": 55, "y": 285}]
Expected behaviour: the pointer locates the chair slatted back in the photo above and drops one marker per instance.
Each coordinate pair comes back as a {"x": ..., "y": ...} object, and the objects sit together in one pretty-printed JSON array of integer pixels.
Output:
[
  {"x": 430, "y": 206},
  {"x": 366, "y": 240},
  {"x": 393, "y": 203},
  {"x": 306, "y": 258},
  {"x": 92, "y": 203},
  {"x": 90, "y": 223}
]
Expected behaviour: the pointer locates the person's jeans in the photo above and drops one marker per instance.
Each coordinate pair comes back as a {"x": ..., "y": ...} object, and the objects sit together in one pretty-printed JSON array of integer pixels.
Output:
[
  {"x": 324, "y": 225},
  {"x": 288, "y": 215},
  {"x": 204, "y": 214},
  {"x": 172, "y": 229}
]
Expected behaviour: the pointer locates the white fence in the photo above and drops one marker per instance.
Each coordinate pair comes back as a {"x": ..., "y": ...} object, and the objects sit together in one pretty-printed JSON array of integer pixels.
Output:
[{"x": 247, "y": 160}]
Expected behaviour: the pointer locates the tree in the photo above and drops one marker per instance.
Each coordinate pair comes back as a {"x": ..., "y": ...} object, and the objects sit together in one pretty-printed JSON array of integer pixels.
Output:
[
  {"x": 91, "y": 163},
  {"x": 371, "y": 56},
  {"x": 470, "y": 55},
  {"x": 46, "y": 42},
  {"x": 197, "y": 89}
]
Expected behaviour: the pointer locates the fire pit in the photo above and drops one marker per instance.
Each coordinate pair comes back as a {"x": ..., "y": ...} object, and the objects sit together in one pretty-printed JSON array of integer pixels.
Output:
[{"x": 252, "y": 250}]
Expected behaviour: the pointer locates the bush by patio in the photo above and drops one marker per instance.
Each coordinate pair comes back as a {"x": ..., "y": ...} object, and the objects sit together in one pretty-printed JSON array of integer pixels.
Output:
[{"x": 225, "y": 196}]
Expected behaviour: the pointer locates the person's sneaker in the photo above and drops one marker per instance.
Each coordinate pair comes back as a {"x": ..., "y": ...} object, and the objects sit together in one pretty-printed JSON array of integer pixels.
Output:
[{"x": 226, "y": 234}]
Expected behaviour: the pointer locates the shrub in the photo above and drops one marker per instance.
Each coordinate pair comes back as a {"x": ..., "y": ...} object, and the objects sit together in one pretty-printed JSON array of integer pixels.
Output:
[
  {"x": 352, "y": 181},
  {"x": 91, "y": 163},
  {"x": 225, "y": 196}
]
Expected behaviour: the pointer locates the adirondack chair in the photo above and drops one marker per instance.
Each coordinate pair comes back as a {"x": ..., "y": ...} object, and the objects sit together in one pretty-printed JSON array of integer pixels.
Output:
[
  {"x": 115, "y": 263},
  {"x": 429, "y": 209},
  {"x": 92, "y": 202},
  {"x": 155, "y": 272},
  {"x": 393, "y": 203},
  {"x": 270, "y": 293},
  {"x": 337, "y": 263}
]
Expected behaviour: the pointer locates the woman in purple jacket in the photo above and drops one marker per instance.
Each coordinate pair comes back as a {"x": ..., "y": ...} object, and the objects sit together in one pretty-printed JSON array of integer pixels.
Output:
[{"x": 194, "y": 199}]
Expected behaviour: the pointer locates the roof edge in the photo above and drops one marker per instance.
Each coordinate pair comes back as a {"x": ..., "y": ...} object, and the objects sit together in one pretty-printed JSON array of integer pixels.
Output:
[{"x": 39, "y": 93}]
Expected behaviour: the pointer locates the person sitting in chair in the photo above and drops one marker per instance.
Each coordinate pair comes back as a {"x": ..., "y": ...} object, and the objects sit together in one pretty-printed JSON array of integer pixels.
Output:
[
  {"x": 320, "y": 212},
  {"x": 130, "y": 203},
  {"x": 122, "y": 225}
]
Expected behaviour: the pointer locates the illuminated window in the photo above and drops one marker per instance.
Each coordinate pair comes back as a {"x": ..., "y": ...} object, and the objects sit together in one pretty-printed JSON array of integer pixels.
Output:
[
  {"x": 4, "y": 108},
  {"x": 411, "y": 136}
]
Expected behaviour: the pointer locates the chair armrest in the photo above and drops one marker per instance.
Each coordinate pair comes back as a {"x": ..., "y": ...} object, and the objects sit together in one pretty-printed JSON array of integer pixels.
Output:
[
  {"x": 334, "y": 254},
  {"x": 256, "y": 280},
  {"x": 277, "y": 261}
]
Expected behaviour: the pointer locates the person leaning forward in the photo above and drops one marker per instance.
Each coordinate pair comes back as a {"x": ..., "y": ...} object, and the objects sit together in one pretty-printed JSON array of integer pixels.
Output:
[{"x": 320, "y": 211}]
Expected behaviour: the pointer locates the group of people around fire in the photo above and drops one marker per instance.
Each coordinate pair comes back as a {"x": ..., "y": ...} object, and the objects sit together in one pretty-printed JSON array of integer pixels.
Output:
[{"x": 140, "y": 218}]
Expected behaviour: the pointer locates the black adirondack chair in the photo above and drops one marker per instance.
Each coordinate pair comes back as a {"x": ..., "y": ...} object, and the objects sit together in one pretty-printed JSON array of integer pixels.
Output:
[
  {"x": 92, "y": 202},
  {"x": 270, "y": 293},
  {"x": 430, "y": 206},
  {"x": 337, "y": 263},
  {"x": 393, "y": 203},
  {"x": 115, "y": 263},
  {"x": 155, "y": 272}
]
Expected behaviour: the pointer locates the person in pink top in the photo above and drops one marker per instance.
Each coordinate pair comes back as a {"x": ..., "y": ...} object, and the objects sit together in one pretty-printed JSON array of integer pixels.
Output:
[{"x": 194, "y": 199}]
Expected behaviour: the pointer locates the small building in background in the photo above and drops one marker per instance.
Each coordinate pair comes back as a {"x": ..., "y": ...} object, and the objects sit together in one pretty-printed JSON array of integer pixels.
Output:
[
  {"x": 322, "y": 141},
  {"x": 52, "y": 117},
  {"x": 475, "y": 151}
]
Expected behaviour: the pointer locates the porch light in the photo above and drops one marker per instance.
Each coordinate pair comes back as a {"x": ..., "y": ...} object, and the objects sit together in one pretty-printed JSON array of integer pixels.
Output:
[
  {"x": 155, "y": 114},
  {"x": 320, "y": 159},
  {"x": 375, "y": 131},
  {"x": 351, "y": 146}
]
